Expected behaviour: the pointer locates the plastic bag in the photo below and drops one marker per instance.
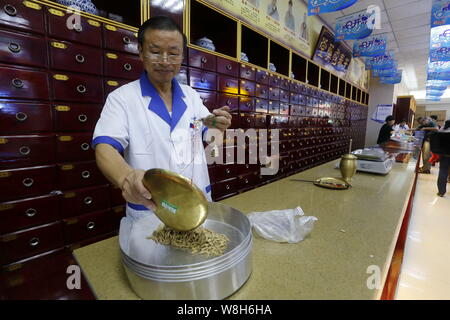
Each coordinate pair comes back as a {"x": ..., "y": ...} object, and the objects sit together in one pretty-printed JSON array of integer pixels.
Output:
[{"x": 290, "y": 225}]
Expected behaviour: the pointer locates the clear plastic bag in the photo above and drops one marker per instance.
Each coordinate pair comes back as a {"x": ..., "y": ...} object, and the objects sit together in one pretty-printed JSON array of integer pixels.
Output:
[{"x": 290, "y": 225}]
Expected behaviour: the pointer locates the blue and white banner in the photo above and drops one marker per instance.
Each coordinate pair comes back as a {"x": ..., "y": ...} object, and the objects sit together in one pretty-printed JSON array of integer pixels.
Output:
[
  {"x": 324, "y": 6},
  {"x": 435, "y": 99},
  {"x": 439, "y": 70},
  {"x": 440, "y": 43},
  {"x": 384, "y": 73},
  {"x": 381, "y": 112},
  {"x": 358, "y": 25},
  {"x": 383, "y": 62},
  {"x": 371, "y": 46},
  {"x": 440, "y": 13},
  {"x": 397, "y": 78}
]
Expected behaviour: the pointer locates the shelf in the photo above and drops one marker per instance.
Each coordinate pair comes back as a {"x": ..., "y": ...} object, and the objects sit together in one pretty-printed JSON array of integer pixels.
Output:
[
  {"x": 342, "y": 84},
  {"x": 348, "y": 90},
  {"x": 324, "y": 80},
  {"x": 354, "y": 93},
  {"x": 299, "y": 67},
  {"x": 334, "y": 81},
  {"x": 313, "y": 74},
  {"x": 255, "y": 46},
  {"x": 221, "y": 30},
  {"x": 279, "y": 56}
]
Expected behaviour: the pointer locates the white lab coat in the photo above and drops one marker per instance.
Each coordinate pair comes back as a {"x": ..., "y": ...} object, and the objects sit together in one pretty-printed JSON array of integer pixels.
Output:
[{"x": 135, "y": 121}]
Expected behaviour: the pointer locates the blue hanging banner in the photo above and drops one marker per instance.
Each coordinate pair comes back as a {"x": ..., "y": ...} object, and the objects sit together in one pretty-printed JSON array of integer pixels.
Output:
[
  {"x": 440, "y": 43},
  {"x": 438, "y": 83},
  {"x": 397, "y": 78},
  {"x": 384, "y": 73},
  {"x": 358, "y": 25},
  {"x": 439, "y": 70},
  {"x": 383, "y": 62},
  {"x": 435, "y": 99},
  {"x": 440, "y": 13},
  {"x": 371, "y": 46},
  {"x": 325, "y": 6}
]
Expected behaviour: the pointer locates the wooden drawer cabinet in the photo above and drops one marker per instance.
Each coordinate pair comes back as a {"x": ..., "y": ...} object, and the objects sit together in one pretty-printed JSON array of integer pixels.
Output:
[
  {"x": 120, "y": 65},
  {"x": 202, "y": 80},
  {"x": 209, "y": 99},
  {"x": 76, "y": 117},
  {"x": 224, "y": 188},
  {"x": 88, "y": 225},
  {"x": 79, "y": 201},
  {"x": 111, "y": 84},
  {"x": 247, "y": 88},
  {"x": 76, "y": 87},
  {"x": 229, "y": 100},
  {"x": 22, "y": 49},
  {"x": 22, "y": 15},
  {"x": 227, "y": 84},
  {"x": 228, "y": 67},
  {"x": 202, "y": 60},
  {"x": 262, "y": 77},
  {"x": 25, "y": 117},
  {"x": 119, "y": 39},
  {"x": 246, "y": 104},
  {"x": 78, "y": 175},
  {"x": 247, "y": 72},
  {"x": 74, "y": 147},
  {"x": 23, "y": 83},
  {"x": 116, "y": 196}
]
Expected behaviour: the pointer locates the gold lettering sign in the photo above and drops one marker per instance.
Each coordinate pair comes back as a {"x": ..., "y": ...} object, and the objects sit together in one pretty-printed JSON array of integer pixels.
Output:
[
  {"x": 4, "y": 207},
  {"x": 93, "y": 23},
  {"x": 62, "y": 108},
  {"x": 61, "y": 77},
  {"x": 65, "y": 138},
  {"x": 67, "y": 167},
  {"x": 111, "y": 55},
  {"x": 109, "y": 27},
  {"x": 32, "y": 5},
  {"x": 112, "y": 83},
  {"x": 58, "y": 45},
  {"x": 56, "y": 12},
  {"x": 70, "y": 195}
]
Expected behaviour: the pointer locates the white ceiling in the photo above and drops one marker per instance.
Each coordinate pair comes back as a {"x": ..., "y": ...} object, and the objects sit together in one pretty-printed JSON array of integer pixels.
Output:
[{"x": 407, "y": 23}]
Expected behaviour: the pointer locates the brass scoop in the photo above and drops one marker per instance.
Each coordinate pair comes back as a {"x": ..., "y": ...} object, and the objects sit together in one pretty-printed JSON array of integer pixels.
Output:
[{"x": 180, "y": 204}]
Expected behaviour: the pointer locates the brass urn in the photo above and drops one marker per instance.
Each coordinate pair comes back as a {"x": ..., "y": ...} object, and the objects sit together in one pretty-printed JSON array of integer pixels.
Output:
[{"x": 348, "y": 165}]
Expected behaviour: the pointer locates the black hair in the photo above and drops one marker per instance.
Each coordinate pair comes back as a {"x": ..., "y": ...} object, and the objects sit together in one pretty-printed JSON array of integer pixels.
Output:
[
  {"x": 434, "y": 117},
  {"x": 403, "y": 120},
  {"x": 447, "y": 124},
  {"x": 160, "y": 23},
  {"x": 389, "y": 118}
]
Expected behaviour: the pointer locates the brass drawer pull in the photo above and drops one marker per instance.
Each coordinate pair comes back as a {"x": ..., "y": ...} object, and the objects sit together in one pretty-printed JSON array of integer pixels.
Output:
[
  {"x": 21, "y": 116},
  {"x": 79, "y": 58},
  {"x": 85, "y": 174},
  {"x": 90, "y": 225},
  {"x": 10, "y": 10},
  {"x": 30, "y": 213},
  {"x": 127, "y": 67},
  {"x": 227, "y": 187},
  {"x": 85, "y": 146},
  {"x": 34, "y": 242},
  {"x": 229, "y": 67},
  {"x": 82, "y": 118},
  {"x": 204, "y": 60},
  {"x": 28, "y": 182},
  {"x": 81, "y": 88},
  {"x": 17, "y": 83},
  {"x": 14, "y": 47},
  {"x": 126, "y": 40},
  {"x": 24, "y": 150},
  {"x": 88, "y": 200}
]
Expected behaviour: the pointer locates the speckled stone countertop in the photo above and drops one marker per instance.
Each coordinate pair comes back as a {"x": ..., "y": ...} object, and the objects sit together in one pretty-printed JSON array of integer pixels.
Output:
[{"x": 357, "y": 229}]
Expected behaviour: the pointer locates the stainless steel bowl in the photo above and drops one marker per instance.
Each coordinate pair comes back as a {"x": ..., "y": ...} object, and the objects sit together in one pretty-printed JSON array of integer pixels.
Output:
[{"x": 163, "y": 272}]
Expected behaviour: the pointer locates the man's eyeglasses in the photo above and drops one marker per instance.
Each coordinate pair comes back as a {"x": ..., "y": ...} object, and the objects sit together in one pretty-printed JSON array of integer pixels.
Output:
[{"x": 168, "y": 58}]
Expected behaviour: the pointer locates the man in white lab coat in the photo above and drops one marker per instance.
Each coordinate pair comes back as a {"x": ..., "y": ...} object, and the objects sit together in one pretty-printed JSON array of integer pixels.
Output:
[{"x": 153, "y": 121}]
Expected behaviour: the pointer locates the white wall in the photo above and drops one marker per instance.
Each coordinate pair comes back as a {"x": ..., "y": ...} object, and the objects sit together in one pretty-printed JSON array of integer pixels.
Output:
[{"x": 379, "y": 94}]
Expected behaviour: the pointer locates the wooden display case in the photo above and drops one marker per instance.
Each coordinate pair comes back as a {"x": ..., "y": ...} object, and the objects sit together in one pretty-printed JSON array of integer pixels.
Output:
[
  {"x": 299, "y": 66},
  {"x": 279, "y": 56},
  {"x": 255, "y": 46},
  {"x": 313, "y": 74},
  {"x": 324, "y": 79}
]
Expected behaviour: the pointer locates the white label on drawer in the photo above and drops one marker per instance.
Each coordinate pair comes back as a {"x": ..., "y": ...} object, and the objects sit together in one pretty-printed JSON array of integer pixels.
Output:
[{"x": 166, "y": 205}]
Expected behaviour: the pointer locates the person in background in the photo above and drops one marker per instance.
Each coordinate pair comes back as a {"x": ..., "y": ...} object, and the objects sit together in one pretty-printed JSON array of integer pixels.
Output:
[
  {"x": 444, "y": 167},
  {"x": 427, "y": 125},
  {"x": 386, "y": 130},
  {"x": 289, "y": 17},
  {"x": 435, "y": 119},
  {"x": 272, "y": 10},
  {"x": 304, "y": 28},
  {"x": 401, "y": 127}
]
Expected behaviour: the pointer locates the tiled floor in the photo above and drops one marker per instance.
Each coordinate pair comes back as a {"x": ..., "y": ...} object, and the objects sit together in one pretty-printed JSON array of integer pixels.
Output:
[{"x": 426, "y": 264}]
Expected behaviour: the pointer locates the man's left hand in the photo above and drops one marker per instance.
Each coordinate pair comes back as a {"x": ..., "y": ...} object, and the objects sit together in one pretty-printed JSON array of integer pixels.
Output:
[{"x": 222, "y": 119}]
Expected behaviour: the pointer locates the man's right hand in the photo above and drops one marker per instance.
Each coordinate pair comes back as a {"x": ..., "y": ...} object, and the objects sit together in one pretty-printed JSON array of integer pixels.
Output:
[{"x": 133, "y": 189}]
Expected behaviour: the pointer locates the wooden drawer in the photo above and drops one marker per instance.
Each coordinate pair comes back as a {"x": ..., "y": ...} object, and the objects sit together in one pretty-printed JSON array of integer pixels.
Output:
[
  {"x": 261, "y": 105},
  {"x": 29, "y": 242},
  {"x": 27, "y": 213},
  {"x": 274, "y": 107},
  {"x": 229, "y": 100},
  {"x": 25, "y": 117},
  {"x": 27, "y": 150},
  {"x": 76, "y": 117},
  {"x": 247, "y": 88},
  {"x": 224, "y": 188},
  {"x": 262, "y": 77},
  {"x": 23, "y": 83},
  {"x": 261, "y": 91},
  {"x": 261, "y": 121},
  {"x": 293, "y": 98},
  {"x": 68, "y": 56},
  {"x": 227, "y": 84},
  {"x": 294, "y": 87},
  {"x": 77, "y": 87},
  {"x": 247, "y": 181},
  {"x": 246, "y": 104},
  {"x": 88, "y": 225},
  {"x": 223, "y": 172},
  {"x": 79, "y": 175},
  {"x": 23, "y": 15},
  {"x": 80, "y": 201},
  {"x": 202, "y": 60},
  {"x": 274, "y": 81},
  {"x": 120, "y": 39},
  {"x": 74, "y": 147},
  {"x": 247, "y": 72},
  {"x": 27, "y": 182},
  {"x": 209, "y": 99},
  {"x": 246, "y": 121},
  {"x": 199, "y": 79},
  {"x": 120, "y": 65},
  {"x": 111, "y": 84},
  {"x": 87, "y": 32},
  {"x": 285, "y": 84},
  {"x": 183, "y": 76},
  {"x": 243, "y": 169},
  {"x": 274, "y": 94},
  {"x": 23, "y": 49},
  {"x": 284, "y": 108},
  {"x": 228, "y": 67},
  {"x": 116, "y": 196}
]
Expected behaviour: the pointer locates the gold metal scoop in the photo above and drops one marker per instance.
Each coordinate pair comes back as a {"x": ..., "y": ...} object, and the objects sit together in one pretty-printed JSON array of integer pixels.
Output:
[
  {"x": 180, "y": 204},
  {"x": 329, "y": 183}
]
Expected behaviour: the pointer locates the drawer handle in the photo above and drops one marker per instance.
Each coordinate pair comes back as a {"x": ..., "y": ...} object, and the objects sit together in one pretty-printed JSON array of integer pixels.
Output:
[
  {"x": 88, "y": 200},
  {"x": 34, "y": 242},
  {"x": 90, "y": 225},
  {"x": 126, "y": 40},
  {"x": 248, "y": 120},
  {"x": 85, "y": 174},
  {"x": 247, "y": 72},
  {"x": 227, "y": 187},
  {"x": 14, "y": 47},
  {"x": 17, "y": 83},
  {"x": 77, "y": 27},
  {"x": 246, "y": 180},
  {"x": 203, "y": 80},
  {"x": 228, "y": 102},
  {"x": 10, "y": 10},
  {"x": 227, "y": 171},
  {"x": 248, "y": 88},
  {"x": 24, "y": 150},
  {"x": 81, "y": 88},
  {"x": 263, "y": 91},
  {"x": 79, "y": 58},
  {"x": 30, "y": 213},
  {"x": 21, "y": 116},
  {"x": 82, "y": 118},
  {"x": 229, "y": 67},
  {"x": 127, "y": 66},
  {"x": 204, "y": 59},
  {"x": 85, "y": 146},
  {"x": 228, "y": 84},
  {"x": 28, "y": 182}
]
